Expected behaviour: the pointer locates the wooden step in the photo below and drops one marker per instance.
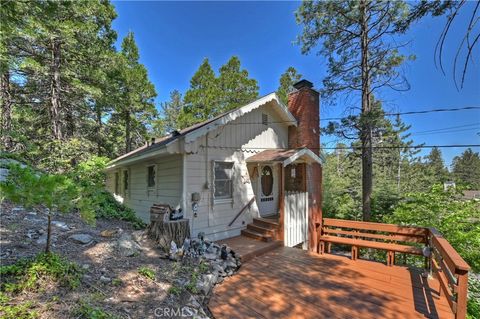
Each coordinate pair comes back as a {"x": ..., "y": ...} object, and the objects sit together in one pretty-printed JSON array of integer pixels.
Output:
[
  {"x": 256, "y": 235},
  {"x": 266, "y": 223},
  {"x": 262, "y": 230}
]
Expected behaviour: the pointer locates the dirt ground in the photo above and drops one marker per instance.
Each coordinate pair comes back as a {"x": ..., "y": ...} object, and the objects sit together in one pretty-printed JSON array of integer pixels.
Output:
[{"x": 110, "y": 281}]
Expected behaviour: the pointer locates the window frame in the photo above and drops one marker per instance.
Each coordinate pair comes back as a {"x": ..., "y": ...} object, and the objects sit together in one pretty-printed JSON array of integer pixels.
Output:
[
  {"x": 150, "y": 187},
  {"x": 116, "y": 180},
  {"x": 126, "y": 182},
  {"x": 223, "y": 199}
]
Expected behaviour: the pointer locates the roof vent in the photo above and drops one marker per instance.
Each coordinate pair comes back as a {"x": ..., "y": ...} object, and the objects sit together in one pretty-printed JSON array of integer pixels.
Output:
[{"x": 303, "y": 84}]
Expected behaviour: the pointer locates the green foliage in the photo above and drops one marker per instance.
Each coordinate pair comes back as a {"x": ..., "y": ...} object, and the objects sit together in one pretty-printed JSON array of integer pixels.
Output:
[
  {"x": 147, "y": 272},
  {"x": 287, "y": 80},
  {"x": 466, "y": 169},
  {"x": 110, "y": 208},
  {"x": 473, "y": 305},
  {"x": 171, "y": 111},
  {"x": 87, "y": 311},
  {"x": 175, "y": 290},
  {"x": 458, "y": 220},
  {"x": 28, "y": 274},
  {"x": 16, "y": 311}
]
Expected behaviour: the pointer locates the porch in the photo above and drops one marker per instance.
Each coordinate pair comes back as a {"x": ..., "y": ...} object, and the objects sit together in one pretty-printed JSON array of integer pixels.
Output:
[{"x": 292, "y": 283}]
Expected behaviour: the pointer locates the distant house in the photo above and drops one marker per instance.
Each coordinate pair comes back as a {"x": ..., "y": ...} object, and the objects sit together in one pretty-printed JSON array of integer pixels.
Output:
[
  {"x": 471, "y": 195},
  {"x": 230, "y": 173}
]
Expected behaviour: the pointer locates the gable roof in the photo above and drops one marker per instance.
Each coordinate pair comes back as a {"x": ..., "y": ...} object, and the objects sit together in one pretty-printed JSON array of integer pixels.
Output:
[
  {"x": 286, "y": 157},
  {"x": 192, "y": 132}
]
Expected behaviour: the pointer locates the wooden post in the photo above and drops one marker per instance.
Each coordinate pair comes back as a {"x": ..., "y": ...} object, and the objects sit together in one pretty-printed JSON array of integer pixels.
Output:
[
  {"x": 462, "y": 294},
  {"x": 281, "y": 203}
]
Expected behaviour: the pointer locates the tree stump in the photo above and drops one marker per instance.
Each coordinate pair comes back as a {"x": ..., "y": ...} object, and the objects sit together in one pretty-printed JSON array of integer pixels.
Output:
[{"x": 163, "y": 232}]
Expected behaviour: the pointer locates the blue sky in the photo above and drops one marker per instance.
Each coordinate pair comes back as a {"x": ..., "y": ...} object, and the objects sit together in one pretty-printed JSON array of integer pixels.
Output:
[{"x": 174, "y": 37}]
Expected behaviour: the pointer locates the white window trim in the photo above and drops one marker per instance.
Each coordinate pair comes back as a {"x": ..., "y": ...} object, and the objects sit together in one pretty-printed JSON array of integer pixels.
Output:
[
  {"x": 222, "y": 200},
  {"x": 126, "y": 192}
]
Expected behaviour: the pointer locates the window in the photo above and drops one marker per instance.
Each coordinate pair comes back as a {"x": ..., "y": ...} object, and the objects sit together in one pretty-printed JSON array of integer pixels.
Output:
[
  {"x": 125, "y": 181},
  {"x": 223, "y": 176},
  {"x": 151, "y": 176},
  {"x": 264, "y": 119},
  {"x": 117, "y": 183}
]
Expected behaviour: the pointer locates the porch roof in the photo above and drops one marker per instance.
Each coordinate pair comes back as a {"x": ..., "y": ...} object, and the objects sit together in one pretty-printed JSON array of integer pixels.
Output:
[{"x": 286, "y": 156}]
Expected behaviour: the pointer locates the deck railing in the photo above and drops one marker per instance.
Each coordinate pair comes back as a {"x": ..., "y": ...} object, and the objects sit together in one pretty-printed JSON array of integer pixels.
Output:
[{"x": 441, "y": 258}]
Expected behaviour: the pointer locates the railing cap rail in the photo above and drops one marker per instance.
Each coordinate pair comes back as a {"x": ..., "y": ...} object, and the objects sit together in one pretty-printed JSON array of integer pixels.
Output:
[{"x": 447, "y": 249}]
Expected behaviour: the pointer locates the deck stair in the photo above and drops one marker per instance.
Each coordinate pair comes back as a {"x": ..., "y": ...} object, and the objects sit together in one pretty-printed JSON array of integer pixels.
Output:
[{"x": 264, "y": 229}]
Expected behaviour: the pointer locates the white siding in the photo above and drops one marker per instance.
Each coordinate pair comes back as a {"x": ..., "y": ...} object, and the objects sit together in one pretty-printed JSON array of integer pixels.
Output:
[
  {"x": 223, "y": 144},
  {"x": 168, "y": 186}
]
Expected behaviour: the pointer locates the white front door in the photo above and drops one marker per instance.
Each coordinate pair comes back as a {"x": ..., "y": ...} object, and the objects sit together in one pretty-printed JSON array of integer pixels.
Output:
[{"x": 268, "y": 190}]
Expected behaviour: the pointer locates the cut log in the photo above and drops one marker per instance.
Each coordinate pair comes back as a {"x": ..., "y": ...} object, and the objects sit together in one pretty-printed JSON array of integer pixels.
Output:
[{"x": 164, "y": 232}]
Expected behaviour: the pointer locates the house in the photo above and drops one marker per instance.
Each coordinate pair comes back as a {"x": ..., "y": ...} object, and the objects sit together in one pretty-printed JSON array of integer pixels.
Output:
[{"x": 246, "y": 171}]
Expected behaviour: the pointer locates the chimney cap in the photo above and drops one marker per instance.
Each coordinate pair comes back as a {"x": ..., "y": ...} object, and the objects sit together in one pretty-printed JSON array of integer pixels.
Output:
[{"x": 303, "y": 84}]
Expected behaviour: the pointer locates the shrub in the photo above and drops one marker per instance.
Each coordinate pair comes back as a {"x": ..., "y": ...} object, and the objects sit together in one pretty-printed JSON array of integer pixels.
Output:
[
  {"x": 147, "y": 272},
  {"x": 28, "y": 274},
  {"x": 16, "y": 311},
  {"x": 110, "y": 208},
  {"x": 87, "y": 311}
]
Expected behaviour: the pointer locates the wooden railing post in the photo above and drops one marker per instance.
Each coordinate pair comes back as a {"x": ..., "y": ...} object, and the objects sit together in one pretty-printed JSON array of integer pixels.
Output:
[{"x": 462, "y": 294}]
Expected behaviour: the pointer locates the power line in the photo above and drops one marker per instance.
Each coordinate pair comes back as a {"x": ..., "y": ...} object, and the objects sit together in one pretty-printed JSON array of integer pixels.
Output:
[
  {"x": 385, "y": 114},
  {"x": 340, "y": 148}
]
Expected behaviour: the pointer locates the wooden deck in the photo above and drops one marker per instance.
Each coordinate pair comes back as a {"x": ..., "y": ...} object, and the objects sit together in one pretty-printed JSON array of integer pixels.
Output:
[
  {"x": 291, "y": 283},
  {"x": 248, "y": 248}
]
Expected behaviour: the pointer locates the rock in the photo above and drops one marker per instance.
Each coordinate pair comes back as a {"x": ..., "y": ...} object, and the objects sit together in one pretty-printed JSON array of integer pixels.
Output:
[
  {"x": 4, "y": 174},
  {"x": 34, "y": 219},
  {"x": 61, "y": 225},
  {"x": 18, "y": 209},
  {"x": 108, "y": 233},
  {"x": 206, "y": 283},
  {"x": 210, "y": 256},
  {"x": 127, "y": 247},
  {"x": 105, "y": 279},
  {"x": 86, "y": 266},
  {"x": 81, "y": 238},
  {"x": 42, "y": 240}
]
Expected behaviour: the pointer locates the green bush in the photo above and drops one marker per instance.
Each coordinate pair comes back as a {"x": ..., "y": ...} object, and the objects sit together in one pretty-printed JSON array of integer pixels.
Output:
[
  {"x": 28, "y": 274},
  {"x": 147, "y": 272},
  {"x": 473, "y": 305},
  {"x": 110, "y": 208},
  {"x": 87, "y": 311},
  {"x": 16, "y": 311}
]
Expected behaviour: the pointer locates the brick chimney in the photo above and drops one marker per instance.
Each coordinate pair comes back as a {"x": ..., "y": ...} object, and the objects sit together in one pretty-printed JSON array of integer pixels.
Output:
[{"x": 304, "y": 104}]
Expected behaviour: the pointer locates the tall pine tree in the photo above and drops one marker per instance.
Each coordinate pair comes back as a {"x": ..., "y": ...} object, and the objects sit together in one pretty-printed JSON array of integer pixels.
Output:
[{"x": 287, "y": 80}]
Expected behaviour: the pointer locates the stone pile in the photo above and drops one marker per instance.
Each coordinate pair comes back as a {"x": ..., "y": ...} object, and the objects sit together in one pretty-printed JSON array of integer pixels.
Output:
[{"x": 221, "y": 260}]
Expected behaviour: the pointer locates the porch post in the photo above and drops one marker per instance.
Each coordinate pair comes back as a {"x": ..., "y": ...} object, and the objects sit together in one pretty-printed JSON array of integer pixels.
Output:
[{"x": 281, "y": 203}]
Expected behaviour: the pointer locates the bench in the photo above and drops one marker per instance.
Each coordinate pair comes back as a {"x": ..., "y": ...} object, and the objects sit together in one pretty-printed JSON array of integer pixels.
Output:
[{"x": 387, "y": 237}]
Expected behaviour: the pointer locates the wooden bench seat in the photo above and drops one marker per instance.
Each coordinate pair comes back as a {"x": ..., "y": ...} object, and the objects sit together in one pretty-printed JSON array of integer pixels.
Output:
[{"x": 373, "y": 244}]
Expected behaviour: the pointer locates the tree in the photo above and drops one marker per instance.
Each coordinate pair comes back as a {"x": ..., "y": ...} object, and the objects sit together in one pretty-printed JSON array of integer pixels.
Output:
[
  {"x": 361, "y": 59},
  {"x": 201, "y": 98},
  {"x": 435, "y": 166},
  {"x": 470, "y": 39},
  {"x": 136, "y": 106},
  {"x": 171, "y": 111},
  {"x": 287, "y": 80},
  {"x": 235, "y": 87},
  {"x": 466, "y": 169}
]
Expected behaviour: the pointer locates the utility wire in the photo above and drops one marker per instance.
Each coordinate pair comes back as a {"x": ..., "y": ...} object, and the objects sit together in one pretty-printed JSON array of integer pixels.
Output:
[
  {"x": 385, "y": 114},
  {"x": 339, "y": 148}
]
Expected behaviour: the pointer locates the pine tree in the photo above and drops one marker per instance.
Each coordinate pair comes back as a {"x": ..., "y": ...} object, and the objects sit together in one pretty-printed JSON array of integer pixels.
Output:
[
  {"x": 136, "y": 108},
  {"x": 235, "y": 87},
  {"x": 287, "y": 79},
  {"x": 171, "y": 111},
  {"x": 466, "y": 169},
  {"x": 360, "y": 59},
  {"x": 202, "y": 98},
  {"x": 436, "y": 170}
]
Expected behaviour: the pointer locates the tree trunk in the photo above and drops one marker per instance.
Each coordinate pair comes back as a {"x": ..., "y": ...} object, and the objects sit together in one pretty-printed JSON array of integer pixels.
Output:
[
  {"x": 6, "y": 101},
  {"x": 55, "y": 104},
  {"x": 49, "y": 232},
  {"x": 127, "y": 132},
  {"x": 366, "y": 131},
  {"x": 99, "y": 132}
]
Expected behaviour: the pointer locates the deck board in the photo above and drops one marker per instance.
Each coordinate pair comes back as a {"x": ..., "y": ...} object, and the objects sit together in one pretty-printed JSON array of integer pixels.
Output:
[{"x": 291, "y": 283}]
